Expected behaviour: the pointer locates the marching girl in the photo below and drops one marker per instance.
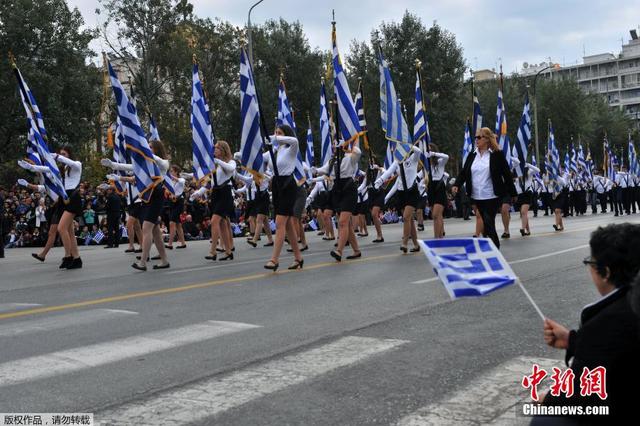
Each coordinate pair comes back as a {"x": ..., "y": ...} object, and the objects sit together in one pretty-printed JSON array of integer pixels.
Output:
[
  {"x": 319, "y": 197},
  {"x": 52, "y": 214},
  {"x": 176, "y": 207},
  {"x": 437, "y": 189},
  {"x": 524, "y": 188},
  {"x": 407, "y": 195},
  {"x": 422, "y": 200},
  {"x": 362, "y": 206},
  {"x": 257, "y": 206},
  {"x": 376, "y": 198},
  {"x": 151, "y": 211},
  {"x": 559, "y": 202},
  {"x": 342, "y": 168},
  {"x": 285, "y": 191}
]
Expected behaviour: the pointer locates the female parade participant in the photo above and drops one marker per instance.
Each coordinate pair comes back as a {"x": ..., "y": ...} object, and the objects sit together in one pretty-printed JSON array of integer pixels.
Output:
[
  {"x": 150, "y": 211},
  {"x": 221, "y": 202},
  {"x": 437, "y": 191},
  {"x": 176, "y": 206},
  {"x": 284, "y": 190},
  {"x": 488, "y": 180},
  {"x": 376, "y": 197},
  {"x": 559, "y": 202},
  {"x": 422, "y": 199},
  {"x": 258, "y": 206},
  {"x": 407, "y": 194},
  {"x": 524, "y": 188},
  {"x": 362, "y": 206},
  {"x": 342, "y": 167}
]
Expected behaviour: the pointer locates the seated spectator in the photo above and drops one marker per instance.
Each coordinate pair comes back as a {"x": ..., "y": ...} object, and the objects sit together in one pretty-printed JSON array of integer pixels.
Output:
[{"x": 608, "y": 333}]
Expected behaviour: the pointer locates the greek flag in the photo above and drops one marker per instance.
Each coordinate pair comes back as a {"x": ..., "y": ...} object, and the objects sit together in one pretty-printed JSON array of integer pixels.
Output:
[
  {"x": 251, "y": 141},
  {"x": 154, "y": 135},
  {"x": 347, "y": 116},
  {"x": 394, "y": 125},
  {"x": 501, "y": 120},
  {"x": 201, "y": 129},
  {"x": 285, "y": 116},
  {"x": 388, "y": 155},
  {"x": 421, "y": 124},
  {"x": 310, "y": 153},
  {"x": 467, "y": 145},
  {"x": 145, "y": 168},
  {"x": 123, "y": 232},
  {"x": 468, "y": 267},
  {"x": 524, "y": 135},
  {"x": 34, "y": 157},
  {"x": 325, "y": 131},
  {"x": 359, "y": 103},
  {"x": 476, "y": 123},
  {"x": 98, "y": 237},
  {"x": 119, "y": 155},
  {"x": 553, "y": 162},
  {"x": 567, "y": 162},
  {"x": 573, "y": 159},
  {"x": 634, "y": 167},
  {"x": 583, "y": 167},
  {"x": 53, "y": 181}
]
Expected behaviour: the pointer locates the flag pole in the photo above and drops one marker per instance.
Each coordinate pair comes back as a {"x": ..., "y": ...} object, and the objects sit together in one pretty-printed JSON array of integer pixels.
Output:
[
  {"x": 533, "y": 303},
  {"x": 424, "y": 114}
]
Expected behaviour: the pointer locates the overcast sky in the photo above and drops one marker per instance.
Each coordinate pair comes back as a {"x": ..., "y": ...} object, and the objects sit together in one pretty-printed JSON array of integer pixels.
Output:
[{"x": 490, "y": 31}]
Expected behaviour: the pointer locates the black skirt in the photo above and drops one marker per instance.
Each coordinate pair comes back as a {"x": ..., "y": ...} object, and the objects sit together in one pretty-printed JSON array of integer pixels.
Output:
[
  {"x": 151, "y": 211},
  {"x": 344, "y": 195},
  {"x": 135, "y": 211},
  {"x": 284, "y": 191},
  {"x": 222, "y": 202},
  {"x": 437, "y": 193},
  {"x": 559, "y": 202},
  {"x": 250, "y": 209},
  {"x": 323, "y": 200},
  {"x": 422, "y": 203},
  {"x": 54, "y": 212},
  {"x": 408, "y": 197},
  {"x": 362, "y": 207},
  {"x": 176, "y": 207},
  {"x": 262, "y": 203},
  {"x": 525, "y": 198},
  {"x": 74, "y": 202},
  {"x": 376, "y": 197}
]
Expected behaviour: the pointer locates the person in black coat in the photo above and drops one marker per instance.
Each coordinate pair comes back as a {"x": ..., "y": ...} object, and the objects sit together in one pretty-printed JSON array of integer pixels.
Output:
[
  {"x": 488, "y": 179},
  {"x": 609, "y": 333},
  {"x": 113, "y": 207}
]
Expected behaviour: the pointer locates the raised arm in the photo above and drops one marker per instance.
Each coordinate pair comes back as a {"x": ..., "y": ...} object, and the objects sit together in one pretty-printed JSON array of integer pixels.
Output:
[
  {"x": 229, "y": 167},
  {"x": 76, "y": 165},
  {"x": 387, "y": 174}
]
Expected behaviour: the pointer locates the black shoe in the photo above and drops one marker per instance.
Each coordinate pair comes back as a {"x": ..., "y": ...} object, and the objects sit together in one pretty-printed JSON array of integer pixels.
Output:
[
  {"x": 403, "y": 249},
  {"x": 108, "y": 247},
  {"x": 219, "y": 250},
  {"x": 522, "y": 232},
  {"x": 297, "y": 264},
  {"x": 321, "y": 233},
  {"x": 214, "y": 257},
  {"x": 138, "y": 251},
  {"x": 227, "y": 257},
  {"x": 415, "y": 250},
  {"x": 355, "y": 256},
  {"x": 305, "y": 248},
  {"x": 140, "y": 257},
  {"x": 138, "y": 267},
  {"x": 336, "y": 256},
  {"x": 36, "y": 256},
  {"x": 272, "y": 266},
  {"x": 378, "y": 240},
  {"x": 66, "y": 261},
  {"x": 420, "y": 227},
  {"x": 75, "y": 264},
  {"x": 156, "y": 257},
  {"x": 165, "y": 266},
  {"x": 168, "y": 247},
  {"x": 268, "y": 244},
  {"x": 506, "y": 235},
  {"x": 130, "y": 250},
  {"x": 252, "y": 244},
  {"x": 181, "y": 247}
]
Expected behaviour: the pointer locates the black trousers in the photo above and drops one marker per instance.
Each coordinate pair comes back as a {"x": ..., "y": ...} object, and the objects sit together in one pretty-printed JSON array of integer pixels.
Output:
[
  {"x": 613, "y": 203},
  {"x": 602, "y": 198},
  {"x": 488, "y": 210},
  {"x": 627, "y": 196},
  {"x": 113, "y": 229}
]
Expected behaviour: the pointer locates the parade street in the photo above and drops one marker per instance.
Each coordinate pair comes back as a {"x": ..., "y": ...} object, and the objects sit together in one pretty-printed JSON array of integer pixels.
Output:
[{"x": 370, "y": 341}]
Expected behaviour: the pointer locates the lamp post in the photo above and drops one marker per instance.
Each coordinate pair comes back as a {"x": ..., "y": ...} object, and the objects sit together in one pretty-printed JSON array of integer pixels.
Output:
[
  {"x": 535, "y": 111},
  {"x": 249, "y": 41}
]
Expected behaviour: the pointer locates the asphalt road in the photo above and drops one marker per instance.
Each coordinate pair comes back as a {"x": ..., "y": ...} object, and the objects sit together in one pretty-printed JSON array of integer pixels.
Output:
[{"x": 371, "y": 341}]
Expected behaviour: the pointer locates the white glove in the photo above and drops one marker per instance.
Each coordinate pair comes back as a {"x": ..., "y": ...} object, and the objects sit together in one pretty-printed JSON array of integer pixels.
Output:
[
  {"x": 314, "y": 170},
  {"x": 104, "y": 186},
  {"x": 378, "y": 183},
  {"x": 112, "y": 176},
  {"x": 24, "y": 164},
  {"x": 187, "y": 176},
  {"x": 106, "y": 163},
  {"x": 23, "y": 182}
]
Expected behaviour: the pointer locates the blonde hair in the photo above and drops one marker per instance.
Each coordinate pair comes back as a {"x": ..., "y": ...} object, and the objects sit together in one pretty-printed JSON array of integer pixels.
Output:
[
  {"x": 226, "y": 150},
  {"x": 491, "y": 137}
]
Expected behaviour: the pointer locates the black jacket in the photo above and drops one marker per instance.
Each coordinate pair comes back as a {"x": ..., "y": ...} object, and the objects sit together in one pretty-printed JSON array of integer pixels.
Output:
[
  {"x": 500, "y": 175},
  {"x": 113, "y": 203},
  {"x": 608, "y": 337}
]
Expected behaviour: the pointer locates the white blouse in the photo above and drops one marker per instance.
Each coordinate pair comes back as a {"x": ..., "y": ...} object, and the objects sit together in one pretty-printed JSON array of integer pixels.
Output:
[
  {"x": 437, "y": 170},
  {"x": 286, "y": 150},
  {"x": 410, "y": 165},
  {"x": 74, "y": 172},
  {"x": 224, "y": 171},
  {"x": 348, "y": 165}
]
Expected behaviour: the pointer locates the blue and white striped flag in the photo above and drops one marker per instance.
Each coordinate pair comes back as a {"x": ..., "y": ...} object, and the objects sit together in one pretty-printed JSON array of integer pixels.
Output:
[
  {"x": 251, "y": 138},
  {"x": 154, "y": 135},
  {"x": 467, "y": 145},
  {"x": 421, "y": 134},
  {"x": 524, "y": 134},
  {"x": 98, "y": 237},
  {"x": 634, "y": 168},
  {"x": 347, "y": 116},
  {"x": 553, "y": 163},
  {"x": 468, "y": 267},
  {"x": 285, "y": 116},
  {"x": 201, "y": 129},
  {"x": 310, "y": 151},
  {"x": 325, "y": 128},
  {"x": 501, "y": 120},
  {"x": 34, "y": 158},
  {"x": 145, "y": 168},
  {"x": 476, "y": 121},
  {"x": 119, "y": 155},
  {"x": 53, "y": 181},
  {"x": 394, "y": 125},
  {"x": 583, "y": 167},
  {"x": 388, "y": 155},
  {"x": 573, "y": 159}
]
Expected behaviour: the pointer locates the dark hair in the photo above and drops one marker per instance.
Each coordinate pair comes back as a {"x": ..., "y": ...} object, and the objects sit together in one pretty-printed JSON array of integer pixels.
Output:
[
  {"x": 67, "y": 148},
  {"x": 287, "y": 130},
  {"x": 159, "y": 149},
  {"x": 617, "y": 247}
]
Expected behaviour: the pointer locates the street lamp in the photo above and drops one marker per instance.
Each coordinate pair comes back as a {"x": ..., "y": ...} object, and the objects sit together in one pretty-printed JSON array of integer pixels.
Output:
[
  {"x": 250, "y": 44},
  {"x": 535, "y": 111}
]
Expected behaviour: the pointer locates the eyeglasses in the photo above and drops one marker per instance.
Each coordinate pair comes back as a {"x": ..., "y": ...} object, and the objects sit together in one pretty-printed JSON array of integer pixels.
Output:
[
  {"x": 479, "y": 137},
  {"x": 588, "y": 261}
]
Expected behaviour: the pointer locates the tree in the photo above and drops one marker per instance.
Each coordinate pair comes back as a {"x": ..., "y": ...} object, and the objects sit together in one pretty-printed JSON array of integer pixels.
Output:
[{"x": 51, "y": 51}]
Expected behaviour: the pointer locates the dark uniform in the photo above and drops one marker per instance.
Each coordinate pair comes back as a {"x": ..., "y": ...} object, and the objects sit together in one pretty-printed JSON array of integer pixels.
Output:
[{"x": 113, "y": 207}]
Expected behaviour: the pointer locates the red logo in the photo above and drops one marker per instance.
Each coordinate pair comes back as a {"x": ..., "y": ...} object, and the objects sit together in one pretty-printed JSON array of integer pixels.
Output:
[
  {"x": 534, "y": 380},
  {"x": 591, "y": 382}
]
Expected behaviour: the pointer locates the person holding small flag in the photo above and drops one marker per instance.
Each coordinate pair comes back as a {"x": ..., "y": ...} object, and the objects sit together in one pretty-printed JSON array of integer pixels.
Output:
[{"x": 488, "y": 180}]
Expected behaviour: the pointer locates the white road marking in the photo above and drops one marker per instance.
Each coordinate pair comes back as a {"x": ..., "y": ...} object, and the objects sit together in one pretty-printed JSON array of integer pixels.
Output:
[
  {"x": 8, "y": 307},
  {"x": 57, "y": 322},
  {"x": 75, "y": 359},
  {"x": 489, "y": 398},
  {"x": 514, "y": 262},
  {"x": 201, "y": 400}
]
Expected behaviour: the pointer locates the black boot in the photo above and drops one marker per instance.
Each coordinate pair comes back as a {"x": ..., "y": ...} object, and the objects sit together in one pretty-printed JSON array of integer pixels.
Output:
[
  {"x": 75, "y": 264},
  {"x": 66, "y": 261}
]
